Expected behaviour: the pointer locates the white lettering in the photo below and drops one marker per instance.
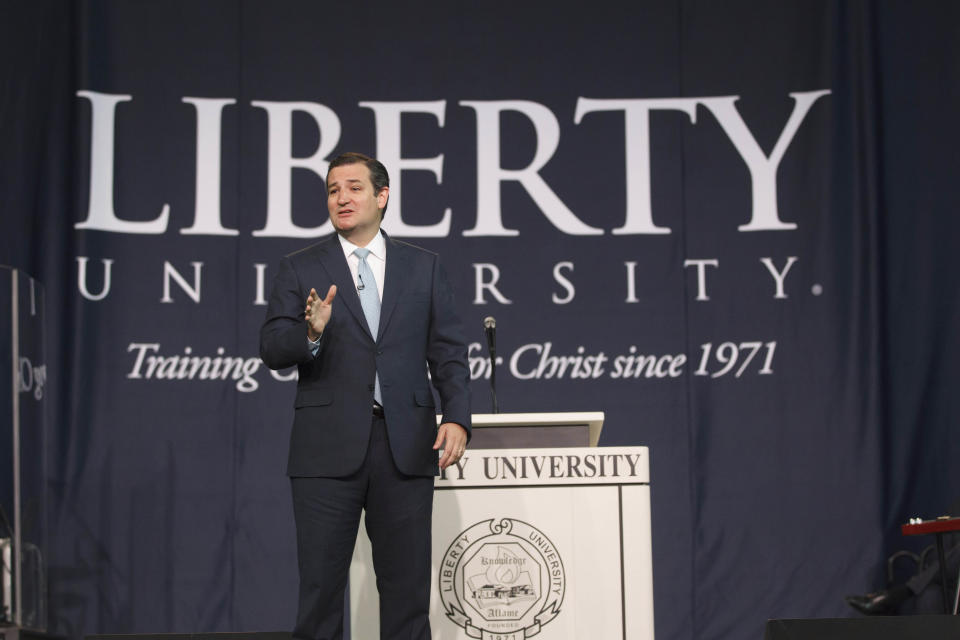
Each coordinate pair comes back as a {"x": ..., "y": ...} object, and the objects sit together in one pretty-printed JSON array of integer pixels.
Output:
[
  {"x": 141, "y": 348},
  {"x": 82, "y": 278},
  {"x": 293, "y": 374},
  {"x": 32, "y": 377},
  {"x": 549, "y": 366},
  {"x": 387, "y": 116},
  {"x": 481, "y": 285},
  {"x": 281, "y": 164},
  {"x": 763, "y": 169},
  {"x": 260, "y": 268},
  {"x": 515, "y": 361},
  {"x": 563, "y": 282},
  {"x": 490, "y": 173},
  {"x": 191, "y": 367},
  {"x": 101, "y": 215},
  {"x": 639, "y": 217},
  {"x": 631, "y": 282},
  {"x": 206, "y": 212},
  {"x": 170, "y": 272},
  {"x": 701, "y": 275},
  {"x": 778, "y": 276},
  {"x": 479, "y": 364}
]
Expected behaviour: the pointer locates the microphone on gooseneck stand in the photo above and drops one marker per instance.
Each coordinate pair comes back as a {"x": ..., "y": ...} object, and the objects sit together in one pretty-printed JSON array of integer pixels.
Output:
[{"x": 490, "y": 329}]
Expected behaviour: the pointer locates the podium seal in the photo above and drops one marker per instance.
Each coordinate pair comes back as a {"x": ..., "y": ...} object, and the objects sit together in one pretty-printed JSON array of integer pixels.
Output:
[{"x": 501, "y": 580}]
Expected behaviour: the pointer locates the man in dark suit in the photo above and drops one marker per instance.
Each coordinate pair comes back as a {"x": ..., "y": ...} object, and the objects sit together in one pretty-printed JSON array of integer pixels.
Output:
[{"x": 364, "y": 432}]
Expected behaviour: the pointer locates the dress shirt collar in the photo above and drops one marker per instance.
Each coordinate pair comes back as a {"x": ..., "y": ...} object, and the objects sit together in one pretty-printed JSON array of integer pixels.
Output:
[{"x": 377, "y": 246}]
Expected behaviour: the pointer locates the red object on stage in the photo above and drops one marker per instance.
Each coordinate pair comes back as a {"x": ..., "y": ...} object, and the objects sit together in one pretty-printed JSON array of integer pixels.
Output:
[{"x": 938, "y": 527}]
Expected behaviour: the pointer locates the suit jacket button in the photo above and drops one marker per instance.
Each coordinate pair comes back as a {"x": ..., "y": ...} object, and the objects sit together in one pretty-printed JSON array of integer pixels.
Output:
[{"x": 369, "y": 387}]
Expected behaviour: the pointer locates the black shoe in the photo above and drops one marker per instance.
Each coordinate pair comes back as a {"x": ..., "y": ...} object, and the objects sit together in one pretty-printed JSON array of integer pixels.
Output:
[{"x": 873, "y": 604}]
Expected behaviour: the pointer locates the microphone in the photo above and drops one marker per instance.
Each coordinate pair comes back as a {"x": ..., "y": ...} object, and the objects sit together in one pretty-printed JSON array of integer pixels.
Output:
[
  {"x": 490, "y": 329},
  {"x": 360, "y": 286}
]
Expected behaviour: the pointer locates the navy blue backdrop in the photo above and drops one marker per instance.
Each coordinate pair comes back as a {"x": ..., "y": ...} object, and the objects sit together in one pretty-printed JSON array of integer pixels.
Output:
[{"x": 730, "y": 226}]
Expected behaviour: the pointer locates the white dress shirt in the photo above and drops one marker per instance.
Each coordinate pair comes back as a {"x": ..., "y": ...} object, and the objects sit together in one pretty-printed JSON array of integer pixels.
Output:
[{"x": 376, "y": 259}]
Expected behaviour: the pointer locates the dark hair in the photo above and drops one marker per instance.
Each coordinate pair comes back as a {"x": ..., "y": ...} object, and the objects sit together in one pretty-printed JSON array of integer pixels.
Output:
[{"x": 378, "y": 172}]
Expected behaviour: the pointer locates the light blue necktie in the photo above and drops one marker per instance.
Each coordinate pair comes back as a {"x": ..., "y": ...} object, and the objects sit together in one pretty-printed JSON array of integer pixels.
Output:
[{"x": 370, "y": 301}]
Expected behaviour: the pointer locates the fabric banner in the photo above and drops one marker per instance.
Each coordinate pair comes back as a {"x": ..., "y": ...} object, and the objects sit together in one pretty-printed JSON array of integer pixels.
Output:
[{"x": 729, "y": 226}]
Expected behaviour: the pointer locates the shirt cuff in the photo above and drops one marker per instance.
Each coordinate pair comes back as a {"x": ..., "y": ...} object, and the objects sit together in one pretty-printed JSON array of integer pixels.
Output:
[{"x": 314, "y": 345}]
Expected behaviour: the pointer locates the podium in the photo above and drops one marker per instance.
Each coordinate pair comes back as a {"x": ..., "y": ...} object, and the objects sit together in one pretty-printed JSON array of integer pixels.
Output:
[
  {"x": 527, "y": 430},
  {"x": 551, "y": 540}
]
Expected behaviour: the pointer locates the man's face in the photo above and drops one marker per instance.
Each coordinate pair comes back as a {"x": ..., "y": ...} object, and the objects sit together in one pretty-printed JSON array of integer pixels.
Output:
[{"x": 354, "y": 207}]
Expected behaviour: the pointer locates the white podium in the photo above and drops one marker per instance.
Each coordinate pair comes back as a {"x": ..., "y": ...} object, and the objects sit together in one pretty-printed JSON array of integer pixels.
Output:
[{"x": 549, "y": 542}]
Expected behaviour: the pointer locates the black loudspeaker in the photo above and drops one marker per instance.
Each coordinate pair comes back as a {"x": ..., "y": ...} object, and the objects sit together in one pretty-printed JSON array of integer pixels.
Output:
[
  {"x": 262, "y": 635},
  {"x": 875, "y": 628}
]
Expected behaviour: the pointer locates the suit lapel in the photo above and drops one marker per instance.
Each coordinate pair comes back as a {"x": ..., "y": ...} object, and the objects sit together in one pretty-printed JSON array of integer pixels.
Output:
[
  {"x": 334, "y": 262},
  {"x": 393, "y": 281}
]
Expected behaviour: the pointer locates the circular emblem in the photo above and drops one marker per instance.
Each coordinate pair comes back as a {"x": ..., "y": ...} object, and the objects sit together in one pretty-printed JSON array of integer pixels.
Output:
[{"x": 501, "y": 580}]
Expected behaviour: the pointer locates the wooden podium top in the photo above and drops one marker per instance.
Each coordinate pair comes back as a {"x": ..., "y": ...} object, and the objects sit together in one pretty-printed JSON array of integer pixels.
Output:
[{"x": 591, "y": 420}]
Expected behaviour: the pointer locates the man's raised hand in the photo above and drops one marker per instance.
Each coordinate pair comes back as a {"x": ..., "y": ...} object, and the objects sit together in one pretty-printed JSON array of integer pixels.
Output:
[{"x": 317, "y": 311}]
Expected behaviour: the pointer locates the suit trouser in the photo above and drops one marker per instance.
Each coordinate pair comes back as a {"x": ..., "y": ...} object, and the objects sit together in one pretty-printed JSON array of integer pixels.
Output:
[{"x": 398, "y": 519}]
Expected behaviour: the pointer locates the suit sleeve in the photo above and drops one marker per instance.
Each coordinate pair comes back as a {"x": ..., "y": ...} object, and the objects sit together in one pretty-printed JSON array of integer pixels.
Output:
[
  {"x": 447, "y": 353},
  {"x": 283, "y": 336}
]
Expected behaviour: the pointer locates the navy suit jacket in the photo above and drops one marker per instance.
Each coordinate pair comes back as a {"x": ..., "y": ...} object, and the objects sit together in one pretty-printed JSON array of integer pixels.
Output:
[{"x": 419, "y": 329}]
